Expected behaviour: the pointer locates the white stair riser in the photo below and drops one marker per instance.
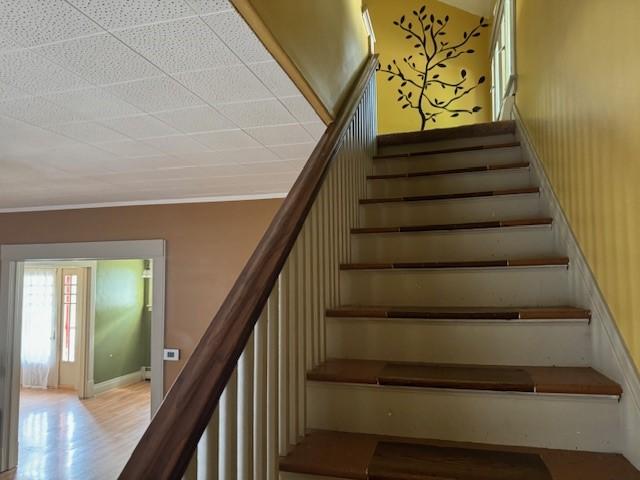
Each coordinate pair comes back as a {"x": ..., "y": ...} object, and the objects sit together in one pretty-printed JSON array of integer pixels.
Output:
[
  {"x": 461, "y": 182},
  {"x": 549, "y": 343},
  {"x": 506, "y": 207},
  {"x": 455, "y": 245},
  {"x": 465, "y": 287},
  {"x": 452, "y": 143},
  {"x": 442, "y": 161},
  {"x": 547, "y": 421}
]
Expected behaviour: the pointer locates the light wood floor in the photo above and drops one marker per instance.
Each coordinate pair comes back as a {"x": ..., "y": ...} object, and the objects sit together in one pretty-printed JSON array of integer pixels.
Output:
[{"x": 64, "y": 438}]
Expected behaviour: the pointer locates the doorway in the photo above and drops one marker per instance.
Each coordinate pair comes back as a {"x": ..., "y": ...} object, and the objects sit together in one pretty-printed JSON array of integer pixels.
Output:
[
  {"x": 56, "y": 306},
  {"x": 68, "y": 337}
]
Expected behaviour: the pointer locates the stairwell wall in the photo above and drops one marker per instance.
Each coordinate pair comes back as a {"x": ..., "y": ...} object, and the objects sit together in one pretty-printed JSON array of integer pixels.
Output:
[{"x": 578, "y": 98}]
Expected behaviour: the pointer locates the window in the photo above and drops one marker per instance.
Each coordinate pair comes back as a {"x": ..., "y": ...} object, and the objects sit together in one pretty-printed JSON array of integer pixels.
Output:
[
  {"x": 69, "y": 316},
  {"x": 503, "y": 60}
]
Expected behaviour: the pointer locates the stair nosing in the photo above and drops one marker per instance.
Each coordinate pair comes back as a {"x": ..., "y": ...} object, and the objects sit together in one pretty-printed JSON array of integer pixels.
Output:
[
  {"x": 377, "y": 378},
  {"x": 463, "y": 265},
  {"x": 484, "y": 225},
  {"x": 440, "y": 313},
  {"x": 491, "y": 168},
  {"x": 444, "y": 151},
  {"x": 410, "y": 199}
]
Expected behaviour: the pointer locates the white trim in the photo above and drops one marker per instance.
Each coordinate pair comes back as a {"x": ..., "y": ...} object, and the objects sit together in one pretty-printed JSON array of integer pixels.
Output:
[
  {"x": 122, "y": 381},
  {"x": 610, "y": 354},
  {"x": 12, "y": 258},
  {"x": 167, "y": 201}
]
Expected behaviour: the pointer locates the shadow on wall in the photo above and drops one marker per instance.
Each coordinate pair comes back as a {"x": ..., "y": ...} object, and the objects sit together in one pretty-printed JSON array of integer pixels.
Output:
[{"x": 434, "y": 65}]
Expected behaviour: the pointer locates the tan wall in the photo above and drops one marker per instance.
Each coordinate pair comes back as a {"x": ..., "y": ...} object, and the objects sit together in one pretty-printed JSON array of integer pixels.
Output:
[
  {"x": 578, "y": 68},
  {"x": 325, "y": 39},
  {"x": 207, "y": 246},
  {"x": 392, "y": 44}
]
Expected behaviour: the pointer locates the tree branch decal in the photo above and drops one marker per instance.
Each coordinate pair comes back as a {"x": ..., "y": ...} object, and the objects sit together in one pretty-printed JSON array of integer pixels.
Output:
[{"x": 420, "y": 86}]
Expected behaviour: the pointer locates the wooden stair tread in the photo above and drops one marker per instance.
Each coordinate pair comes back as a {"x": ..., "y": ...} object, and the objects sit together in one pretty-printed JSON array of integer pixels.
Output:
[
  {"x": 507, "y": 263},
  {"x": 461, "y": 313},
  {"x": 451, "y": 196},
  {"x": 454, "y": 171},
  {"x": 485, "y": 129},
  {"x": 351, "y": 456},
  {"x": 527, "y": 222},
  {"x": 565, "y": 380},
  {"x": 470, "y": 148}
]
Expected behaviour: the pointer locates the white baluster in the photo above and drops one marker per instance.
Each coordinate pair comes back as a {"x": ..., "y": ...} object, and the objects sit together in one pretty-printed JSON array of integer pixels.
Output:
[
  {"x": 284, "y": 350},
  {"x": 260, "y": 397},
  {"x": 208, "y": 449},
  {"x": 245, "y": 412},
  {"x": 273, "y": 390},
  {"x": 228, "y": 467}
]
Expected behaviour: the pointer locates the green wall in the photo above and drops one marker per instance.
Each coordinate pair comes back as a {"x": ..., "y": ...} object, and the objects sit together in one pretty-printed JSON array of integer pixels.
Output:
[{"x": 121, "y": 336}]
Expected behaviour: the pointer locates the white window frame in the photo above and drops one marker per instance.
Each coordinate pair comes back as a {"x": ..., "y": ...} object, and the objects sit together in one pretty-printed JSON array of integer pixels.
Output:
[{"x": 503, "y": 60}]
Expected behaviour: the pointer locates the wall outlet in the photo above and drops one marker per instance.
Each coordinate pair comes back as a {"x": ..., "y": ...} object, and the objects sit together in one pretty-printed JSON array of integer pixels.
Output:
[{"x": 172, "y": 354}]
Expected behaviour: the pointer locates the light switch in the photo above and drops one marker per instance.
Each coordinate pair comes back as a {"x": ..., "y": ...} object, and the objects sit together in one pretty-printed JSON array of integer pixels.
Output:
[{"x": 172, "y": 354}]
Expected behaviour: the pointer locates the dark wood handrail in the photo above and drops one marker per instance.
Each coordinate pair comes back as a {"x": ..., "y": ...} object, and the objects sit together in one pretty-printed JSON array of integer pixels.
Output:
[{"x": 169, "y": 442}]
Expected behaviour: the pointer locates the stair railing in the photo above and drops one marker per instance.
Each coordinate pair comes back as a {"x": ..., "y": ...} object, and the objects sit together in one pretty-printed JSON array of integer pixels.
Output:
[{"x": 240, "y": 401}]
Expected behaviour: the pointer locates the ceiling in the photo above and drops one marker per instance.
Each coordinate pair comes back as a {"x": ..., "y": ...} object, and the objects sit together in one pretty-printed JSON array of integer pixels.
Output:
[
  {"x": 121, "y": 101},
  {"x": 477, "y": 7}
]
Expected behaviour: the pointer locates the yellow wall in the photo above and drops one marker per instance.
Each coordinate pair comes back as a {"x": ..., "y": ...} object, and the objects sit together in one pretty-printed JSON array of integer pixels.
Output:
[
  {"x": 325, "y": 39},
  {"x": 392, "y": 44},
  {"x": 578, "y": 94}
]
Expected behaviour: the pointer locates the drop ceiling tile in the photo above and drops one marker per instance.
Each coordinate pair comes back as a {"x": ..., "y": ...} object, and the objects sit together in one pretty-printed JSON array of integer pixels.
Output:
[
  {"x": 225, "y": 140},
  {"x": 129, "y": 148},
  {"x": 244, "y": 155},
  {"x": 196, "y": 119},
  {"x": 155, "y": 94},
  {"x": 139, "y": 126},
  {"x": 7, "y": 43},
  {"x": 300, "y": 108},
  {"x": 113, "y": 14},
  {"x": 258, "y": 113},
  {"x": 179, "y": 46},
  {"x": 31, "y": 72},
  {"x": 222, "y": 85},
  {"x": 7, "y": 92},
  {"x": 93, "y": 103},
  {"x": 77, "y": 159},
  {"x": 150, "y": 165},
  {"x": 316, "y": 129},
  {"x": 87, "y": 132},
  {"x": 276, "y": 80},
  {"x": 100, "y": 59},
  {"x": 234, "y": 31},
  {"x": 298, "y": 151},
  {"x": 210, "y": 6},
  {"x": 35, "y": 22},
  {"x": 280, "y": 135},
  {"x": 285, "y": 166},
  {"x": 38, "y": 111},
  {"x": 176, "y": 145},
  {"x": 18, "y": 138}
]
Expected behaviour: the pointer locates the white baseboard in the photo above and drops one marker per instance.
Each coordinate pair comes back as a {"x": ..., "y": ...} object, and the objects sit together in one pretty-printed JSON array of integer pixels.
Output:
[
  {"x": 123, "y": 381},
  {"x": 609, "y": 352}
]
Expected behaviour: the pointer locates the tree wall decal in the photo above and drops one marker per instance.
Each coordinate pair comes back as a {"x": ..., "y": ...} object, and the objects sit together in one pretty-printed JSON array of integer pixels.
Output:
[{"x": 421, "y": 86}]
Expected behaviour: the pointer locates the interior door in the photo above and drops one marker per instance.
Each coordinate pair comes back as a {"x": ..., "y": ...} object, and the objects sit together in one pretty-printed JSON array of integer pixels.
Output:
[{"x": 71, "y": 321}]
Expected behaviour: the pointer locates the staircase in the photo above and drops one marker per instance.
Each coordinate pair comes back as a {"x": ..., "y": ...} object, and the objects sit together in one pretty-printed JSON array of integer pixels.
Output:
[{"x": 455, "y": 352}]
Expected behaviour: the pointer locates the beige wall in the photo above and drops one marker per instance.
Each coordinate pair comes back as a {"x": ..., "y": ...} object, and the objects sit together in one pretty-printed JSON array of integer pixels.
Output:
[
  {"x": 578, "y": 68},
  {"x": 207, "y": 246},
  {"x": 325, "y": 39}
]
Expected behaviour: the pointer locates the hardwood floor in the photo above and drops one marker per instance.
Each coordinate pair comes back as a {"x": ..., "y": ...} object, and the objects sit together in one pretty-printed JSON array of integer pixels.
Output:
[{"x": 64, "y": 438}]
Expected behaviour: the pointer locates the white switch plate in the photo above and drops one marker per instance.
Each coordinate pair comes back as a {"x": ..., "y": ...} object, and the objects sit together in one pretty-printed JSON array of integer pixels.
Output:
[{"x": 172, "y": 354}]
